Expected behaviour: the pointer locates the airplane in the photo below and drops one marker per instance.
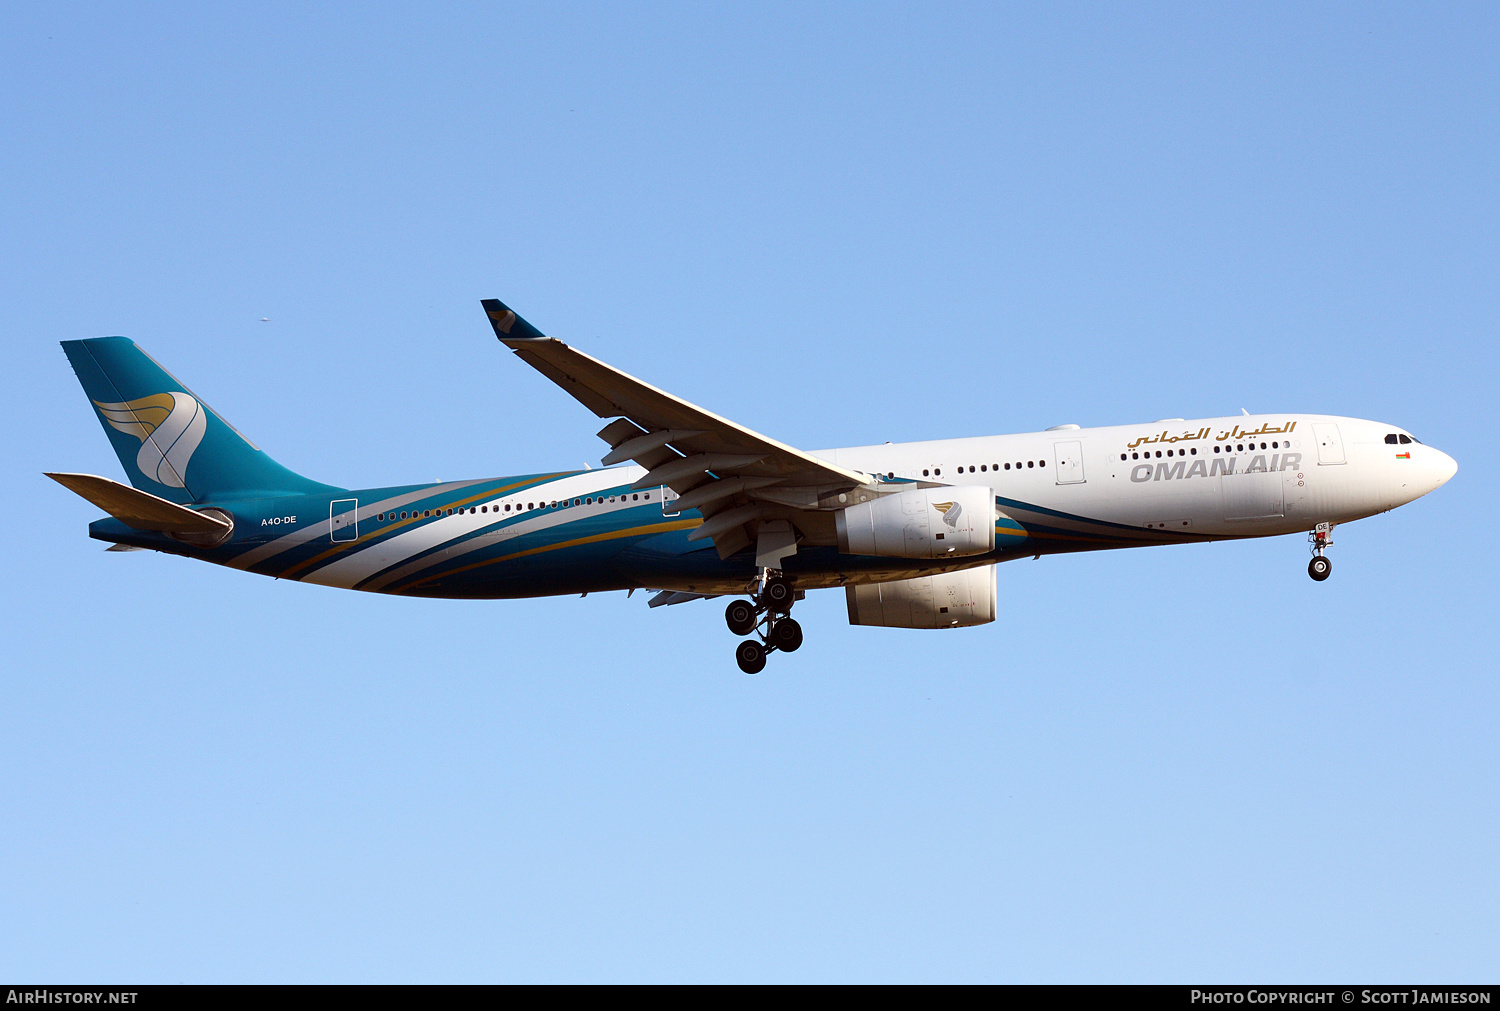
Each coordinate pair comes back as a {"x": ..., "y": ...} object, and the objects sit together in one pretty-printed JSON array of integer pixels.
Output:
[{"x": 694, "y": 506}]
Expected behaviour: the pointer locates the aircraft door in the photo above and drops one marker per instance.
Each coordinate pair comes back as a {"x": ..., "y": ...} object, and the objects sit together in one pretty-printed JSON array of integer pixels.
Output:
[
  {"x": 1330, "y": 446},
  {"x": 343, "y": 519},
  {"x": 1257, "y": 496},
  {"x": 1069, "y": 462}
]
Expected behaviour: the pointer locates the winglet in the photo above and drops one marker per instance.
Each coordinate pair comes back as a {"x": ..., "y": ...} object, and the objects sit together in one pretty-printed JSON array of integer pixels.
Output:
[{"x": 508, "y": 325}]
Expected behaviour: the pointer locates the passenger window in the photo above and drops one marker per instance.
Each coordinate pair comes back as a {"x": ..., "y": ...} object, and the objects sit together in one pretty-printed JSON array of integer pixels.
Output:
[
  {"x": 937, "y": 471},
  {"x": 1030, "y": 464},
  {"x": 925, "y": 474}
]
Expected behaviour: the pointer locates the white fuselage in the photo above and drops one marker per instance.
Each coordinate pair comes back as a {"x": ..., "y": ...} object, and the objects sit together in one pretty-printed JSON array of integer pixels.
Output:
[{"x": 1209, "y": 477}]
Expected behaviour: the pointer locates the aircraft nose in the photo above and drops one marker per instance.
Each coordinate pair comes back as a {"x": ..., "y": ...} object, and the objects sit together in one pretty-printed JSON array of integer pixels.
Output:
[{"x": 1444, "y": 467}]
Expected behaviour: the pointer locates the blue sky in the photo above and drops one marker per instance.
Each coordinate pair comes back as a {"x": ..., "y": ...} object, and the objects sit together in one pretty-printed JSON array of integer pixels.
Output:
[{"x": 838, "y": 225}]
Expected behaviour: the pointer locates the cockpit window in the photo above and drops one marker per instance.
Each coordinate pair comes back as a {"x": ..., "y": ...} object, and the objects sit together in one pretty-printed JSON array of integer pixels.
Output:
[
  {"x": 1391, "y": 439},
  {"x": 1406, "y": 440}
]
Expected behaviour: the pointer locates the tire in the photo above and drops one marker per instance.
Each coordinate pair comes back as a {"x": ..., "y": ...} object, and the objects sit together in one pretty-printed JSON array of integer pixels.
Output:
[
  {"x": 751, "y": 656},
  {"x": 740, "y": 617},
  {"x": 786, "y": 635},
  {"x": 778, "y": 595},
  {"x": 1319, "y": 568}
]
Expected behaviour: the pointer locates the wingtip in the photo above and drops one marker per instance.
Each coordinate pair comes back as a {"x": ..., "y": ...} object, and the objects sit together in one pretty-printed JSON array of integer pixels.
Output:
[{"x": 508, "y": 325}]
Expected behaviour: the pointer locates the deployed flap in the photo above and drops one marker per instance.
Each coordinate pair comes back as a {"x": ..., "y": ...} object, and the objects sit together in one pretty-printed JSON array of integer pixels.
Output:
[
  {"x": 669, "y": 597},
  {"x": 138, "y": 509}
]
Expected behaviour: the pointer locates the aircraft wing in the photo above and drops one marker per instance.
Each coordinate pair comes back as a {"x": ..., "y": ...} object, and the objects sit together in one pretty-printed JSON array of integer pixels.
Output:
[{"x": 726, "y": 471}]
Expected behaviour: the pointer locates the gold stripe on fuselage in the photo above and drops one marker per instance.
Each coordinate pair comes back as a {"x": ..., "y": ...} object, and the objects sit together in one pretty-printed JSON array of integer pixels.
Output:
[{"x": 344, "y": 546}]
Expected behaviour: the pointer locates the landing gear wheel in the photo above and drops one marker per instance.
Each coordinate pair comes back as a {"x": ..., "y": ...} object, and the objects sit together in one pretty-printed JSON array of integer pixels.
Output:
[
  {"x": 786, "y": 635},
  {"x": 751, "y": 656},
  {"x": 740, "y": 617},
  {"x": 777, "y": 595},
  {"x": 1319, "y": 568}
]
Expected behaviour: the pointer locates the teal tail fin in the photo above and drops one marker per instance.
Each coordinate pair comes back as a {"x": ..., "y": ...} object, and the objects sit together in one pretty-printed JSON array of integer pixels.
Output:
[{"x": 170, "y": 442}]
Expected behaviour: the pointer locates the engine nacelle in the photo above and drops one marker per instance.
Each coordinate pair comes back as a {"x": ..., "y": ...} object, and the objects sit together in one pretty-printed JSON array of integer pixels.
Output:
[
  {"x": 922, "y": 523},
  {"x": 949, "y": 600}
]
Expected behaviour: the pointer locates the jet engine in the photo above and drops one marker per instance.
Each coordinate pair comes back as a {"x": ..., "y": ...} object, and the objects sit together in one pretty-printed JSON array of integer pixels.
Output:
[
  {"x": 950, "y": 522},
  {"x": 948, "y": 600}
]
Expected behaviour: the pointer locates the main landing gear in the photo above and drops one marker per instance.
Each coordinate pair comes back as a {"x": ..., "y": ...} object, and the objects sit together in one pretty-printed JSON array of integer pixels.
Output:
[
  {"x": 1319, "y": 539},
  {"x": 766, "y": 614}
]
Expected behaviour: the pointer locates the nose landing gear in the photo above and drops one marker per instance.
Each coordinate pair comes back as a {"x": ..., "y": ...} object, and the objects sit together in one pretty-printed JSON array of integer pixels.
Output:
[
  {"x": 767, "y": 614},
  {"x": 1321, "y": 537}
]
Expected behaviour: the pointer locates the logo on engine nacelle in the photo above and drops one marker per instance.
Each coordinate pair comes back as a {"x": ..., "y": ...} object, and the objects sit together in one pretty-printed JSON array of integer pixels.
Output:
[{"x": 951, "y": 512}]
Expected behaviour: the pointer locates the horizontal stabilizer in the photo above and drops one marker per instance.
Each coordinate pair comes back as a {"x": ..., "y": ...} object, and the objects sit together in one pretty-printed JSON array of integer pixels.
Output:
[{"x": 138, "y": 509}]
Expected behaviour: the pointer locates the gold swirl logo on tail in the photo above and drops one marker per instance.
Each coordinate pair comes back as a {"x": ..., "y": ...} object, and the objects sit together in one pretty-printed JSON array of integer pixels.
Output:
[{"x": 169, "y": 425}]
